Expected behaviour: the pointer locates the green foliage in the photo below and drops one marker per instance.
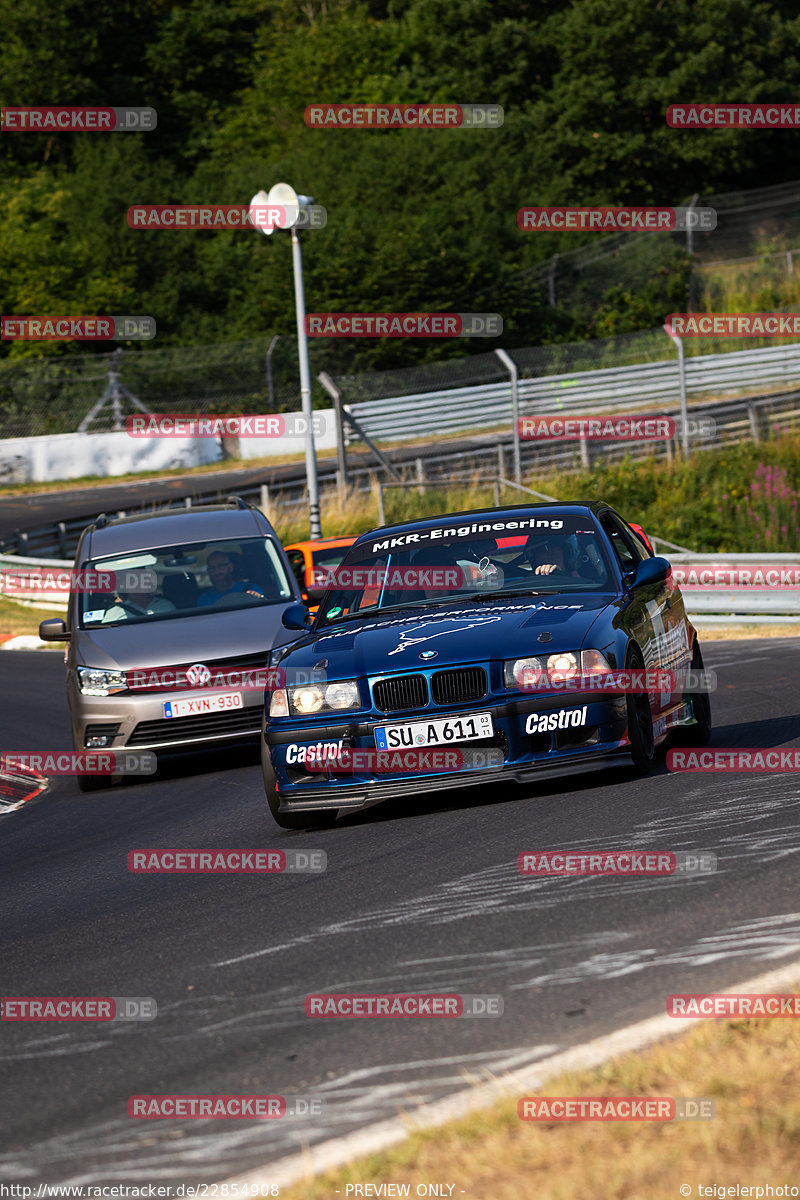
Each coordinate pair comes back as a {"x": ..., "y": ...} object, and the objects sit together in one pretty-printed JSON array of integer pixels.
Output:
[
  {"x": 740, "y": 499},
  {"x": 417, "y": 220}
]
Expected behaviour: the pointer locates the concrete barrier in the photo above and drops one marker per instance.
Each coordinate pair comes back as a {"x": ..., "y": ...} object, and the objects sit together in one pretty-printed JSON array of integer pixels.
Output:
[{"x": 75, "y": 455}]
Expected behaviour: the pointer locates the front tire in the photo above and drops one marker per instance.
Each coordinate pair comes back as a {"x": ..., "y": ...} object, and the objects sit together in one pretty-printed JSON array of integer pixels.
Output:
[
  {"x": 640, "y": 720},
  {"x": 699, "y": 734},
  {"x": 323, "y": 819}
]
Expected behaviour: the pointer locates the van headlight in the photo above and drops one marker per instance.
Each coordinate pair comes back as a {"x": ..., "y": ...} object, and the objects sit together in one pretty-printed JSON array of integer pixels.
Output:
[{"x": 96, "y": 682}]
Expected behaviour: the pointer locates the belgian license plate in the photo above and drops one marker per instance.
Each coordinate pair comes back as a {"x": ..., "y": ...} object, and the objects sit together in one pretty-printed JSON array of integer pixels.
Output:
[
  {"x": 198, "y": 705},
  {"x": 441, "y": 732}
]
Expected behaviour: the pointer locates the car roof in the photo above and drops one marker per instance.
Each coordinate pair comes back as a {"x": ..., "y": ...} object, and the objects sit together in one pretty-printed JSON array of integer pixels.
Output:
[
  {"x": 321, "y": 543},
  {"x": 508, "y": 512},
  {"x": 172, "y": 527}
]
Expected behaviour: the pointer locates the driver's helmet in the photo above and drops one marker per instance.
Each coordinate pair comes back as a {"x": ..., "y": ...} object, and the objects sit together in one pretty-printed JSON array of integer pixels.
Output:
[{"x": 538, "y": 547}]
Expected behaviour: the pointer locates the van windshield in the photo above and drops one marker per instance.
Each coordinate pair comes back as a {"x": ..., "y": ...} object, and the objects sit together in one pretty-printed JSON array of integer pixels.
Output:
[{"x": 183, "y": 581}]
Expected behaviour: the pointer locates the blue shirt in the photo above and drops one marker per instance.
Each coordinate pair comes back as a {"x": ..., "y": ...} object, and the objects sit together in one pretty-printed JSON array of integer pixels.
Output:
[{"x": 212, "y": 595}]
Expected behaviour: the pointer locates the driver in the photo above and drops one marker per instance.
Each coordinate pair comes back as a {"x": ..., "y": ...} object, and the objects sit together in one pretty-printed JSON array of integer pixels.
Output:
[
  {"x": 551, "y": 556},
  {"x": 220, "y": 572}
]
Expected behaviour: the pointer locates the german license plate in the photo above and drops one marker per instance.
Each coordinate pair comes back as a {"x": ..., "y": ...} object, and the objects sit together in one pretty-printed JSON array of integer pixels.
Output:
[
  {"x": 441, "y": 732},
  {"x": 198, "y": 705}
]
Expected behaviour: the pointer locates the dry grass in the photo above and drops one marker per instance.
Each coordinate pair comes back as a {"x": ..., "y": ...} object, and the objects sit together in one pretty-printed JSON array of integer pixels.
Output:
[
  {"x": 16, "y": 618},
  {"x": 748, "y": 1067}
]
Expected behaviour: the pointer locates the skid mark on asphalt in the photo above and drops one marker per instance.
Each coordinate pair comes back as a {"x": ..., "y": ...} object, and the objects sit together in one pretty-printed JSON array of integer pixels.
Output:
[
  {"x": 767, "y": 939},
  {"x": 706, "y": 810},
  {"x": 164, "y": 1151}
]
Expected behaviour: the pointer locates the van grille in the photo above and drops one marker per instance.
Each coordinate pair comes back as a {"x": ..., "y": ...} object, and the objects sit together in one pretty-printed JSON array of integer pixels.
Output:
[{"x": 243, "y": 721}]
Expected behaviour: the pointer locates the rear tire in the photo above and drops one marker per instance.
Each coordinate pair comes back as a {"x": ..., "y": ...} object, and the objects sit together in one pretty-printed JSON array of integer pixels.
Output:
[
  {"x": 640, "y": 720},
  {"x": 699, "y": 734}
]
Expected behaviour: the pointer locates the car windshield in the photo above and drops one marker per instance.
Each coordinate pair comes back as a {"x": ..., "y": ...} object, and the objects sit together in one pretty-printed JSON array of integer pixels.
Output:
[
  {"x": 184, "y": 581},
  {"x": 469, "y": 562}
]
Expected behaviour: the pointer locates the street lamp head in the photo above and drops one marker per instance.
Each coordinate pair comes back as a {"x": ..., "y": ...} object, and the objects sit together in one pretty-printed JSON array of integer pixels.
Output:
[{"x": 282, "y": 196}]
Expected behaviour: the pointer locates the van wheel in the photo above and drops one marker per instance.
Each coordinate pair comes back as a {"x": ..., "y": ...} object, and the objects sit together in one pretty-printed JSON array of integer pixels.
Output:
[{"x": 94, "y": 783}]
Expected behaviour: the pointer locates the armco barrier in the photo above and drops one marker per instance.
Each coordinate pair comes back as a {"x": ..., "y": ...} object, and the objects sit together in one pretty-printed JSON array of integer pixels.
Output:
[
  {"x": 653, "y": 386},
  {"x": 709, "y": 606},
  {"x": 759, "y": 606}
]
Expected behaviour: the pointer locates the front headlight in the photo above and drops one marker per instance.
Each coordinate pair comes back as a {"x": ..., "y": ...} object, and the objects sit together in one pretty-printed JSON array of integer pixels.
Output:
[
  {"x": 523, "y": 673},
  {"x": 562, "y": 666},
  {"x": 310, "y": 698},
  {"x": 96, "y": 682},
  {"x": 526, "y": 674}
]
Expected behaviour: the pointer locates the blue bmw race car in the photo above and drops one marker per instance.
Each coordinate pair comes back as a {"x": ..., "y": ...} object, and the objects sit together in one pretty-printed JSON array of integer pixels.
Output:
[{"x": 462, "y": 649}]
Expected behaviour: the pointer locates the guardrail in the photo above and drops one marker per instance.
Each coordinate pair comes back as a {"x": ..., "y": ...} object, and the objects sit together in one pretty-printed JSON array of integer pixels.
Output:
[
  {"x": 457, "y": 409},
  {"x": 710, "y": 606}
]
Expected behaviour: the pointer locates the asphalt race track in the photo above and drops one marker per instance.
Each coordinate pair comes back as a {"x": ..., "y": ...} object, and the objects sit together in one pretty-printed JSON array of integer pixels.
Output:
[{"x": 422, "y": 895}]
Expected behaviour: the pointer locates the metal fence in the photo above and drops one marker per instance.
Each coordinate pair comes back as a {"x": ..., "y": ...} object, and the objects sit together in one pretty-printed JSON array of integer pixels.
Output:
[
  {"x": 482, "y": 406},
  {"x": 481, "y": 459}
]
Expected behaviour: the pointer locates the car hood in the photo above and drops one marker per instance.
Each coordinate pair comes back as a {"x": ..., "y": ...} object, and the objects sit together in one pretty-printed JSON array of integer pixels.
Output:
[
  {"x": 464, "y": 632},
  {"x": 204, "y": 637}
]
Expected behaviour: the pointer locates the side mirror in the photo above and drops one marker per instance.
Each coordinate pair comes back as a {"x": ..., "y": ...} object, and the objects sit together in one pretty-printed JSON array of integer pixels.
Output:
[
  {"x": 54, "y": 630},
  {"x": 294, "y": 617},
  {"x": 651, "y": 570}
]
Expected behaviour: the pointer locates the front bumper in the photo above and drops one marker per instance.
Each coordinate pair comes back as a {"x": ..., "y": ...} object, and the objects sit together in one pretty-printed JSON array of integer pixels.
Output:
[
  {"x": 600, "y": 741},
  {"x": 136, "y": 720}
]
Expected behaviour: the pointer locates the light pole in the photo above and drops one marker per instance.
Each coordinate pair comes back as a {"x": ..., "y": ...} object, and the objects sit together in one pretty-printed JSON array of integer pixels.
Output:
[{"x": 285, "y": 197}]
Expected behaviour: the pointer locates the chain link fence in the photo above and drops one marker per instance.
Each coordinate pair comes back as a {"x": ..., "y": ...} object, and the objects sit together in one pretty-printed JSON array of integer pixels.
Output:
[{"x": 757, "y": 237}]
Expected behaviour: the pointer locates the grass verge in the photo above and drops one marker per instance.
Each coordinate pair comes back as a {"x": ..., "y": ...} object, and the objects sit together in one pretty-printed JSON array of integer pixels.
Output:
[
  {"x": 748, "y": 1067},
  {"x": 16, "y": 618}
]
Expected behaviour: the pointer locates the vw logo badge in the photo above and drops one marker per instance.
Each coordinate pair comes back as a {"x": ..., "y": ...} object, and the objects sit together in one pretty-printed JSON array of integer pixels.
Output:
[
  {"x": 198, "y": 674},
  {"x": 428, "y": 654}
]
